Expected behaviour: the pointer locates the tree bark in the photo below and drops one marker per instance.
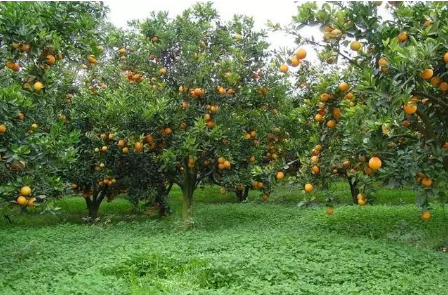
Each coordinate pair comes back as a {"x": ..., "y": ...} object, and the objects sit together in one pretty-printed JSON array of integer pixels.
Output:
[
  {"x": 353, "y": 190},
  {"x": 188, "y": 189},
  {"x": 93, "y": 205}
]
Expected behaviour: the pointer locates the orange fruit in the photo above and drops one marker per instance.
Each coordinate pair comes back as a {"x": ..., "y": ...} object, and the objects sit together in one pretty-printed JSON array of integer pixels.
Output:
[
  {"x": 13, "y": 66},
  {"x": 25, "y": 47},
  {"x": 92, "y": 59},
  {"x": 51, "y": 59},
  {"x": 138, "y": 146},
  {"x": 382, "y": 62},
  {"x": 426, "y": 215},
  {"x": 21, "y": 200},
  {"x": 104, "y": 149},
  {"x": 343, "y": 86},
  {"x": 337, "y": 113},
  {"x": 315, "y": 159},
  {"x": 121, "y": 51},
  {"x": 74, "y": 186},
  {"x": 30, "y": 202},
  {"x": 331, "y": 124},
  {"x": 226, "y": 164},
  {"x": 362, "y": 202},
  {"x": 284, "y": 68},
  {"x": 121, "y": 143},
  {"x": 443, "y": 86},
  {"x": 2, "y": 128},
  {"x": 318, "y": 118},
  {"x": 355, "y": 45},
  {"x": 295, "y": 61},
  {"x": 427, "y": 182},
  {"x": 349, "y": 96},
  {"x": 162, "y": 71},
  {"x": 125, "y": 150},
  {"x": 427, "y": 74},
  {"x": 318, "y": 147},
  {"x": 280, "y": 175},
  {"x": 410, "y": 108},
  {"x": 330, "y": 210},
  {"x": 435, "y": 81},
  {"x": 445, "y": 58},
  {"x": 403, "y": 36},
  {"x": 221, "y": 166},
  {"x": 167, "y": 131},
  {"x": 315, "y": 169},
  {"x": 309, "y": 187},
  {"x": 38, "y": 86},
  {"x": 252, "y": 159},
  {"x": 301, "y": 53},
  {"x": 375, "y": 163},
  {"x": 25, "y": 191},
  {"x": 324, "y": 97},
  {"x": 221, "y": 160},
  {"x": 210, "y": 124},
  {"x": 445, "y": 146}
]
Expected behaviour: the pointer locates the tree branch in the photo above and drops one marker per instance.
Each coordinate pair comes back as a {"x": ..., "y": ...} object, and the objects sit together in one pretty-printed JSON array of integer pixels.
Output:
[
  {"x": 431, "y": 98},
  {"x": 428, "y": 131}
]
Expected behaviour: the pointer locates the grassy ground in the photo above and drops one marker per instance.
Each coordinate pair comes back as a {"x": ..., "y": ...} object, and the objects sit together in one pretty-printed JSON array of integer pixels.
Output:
[{"x": 274, "y": 247}]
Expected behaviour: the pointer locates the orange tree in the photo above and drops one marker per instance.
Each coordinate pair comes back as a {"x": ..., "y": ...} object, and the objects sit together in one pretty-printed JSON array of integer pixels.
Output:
[
  {"x": 39, "y": 42},
  {"x": 219, "y": 102},
  {"x": 400, "y": 66}
]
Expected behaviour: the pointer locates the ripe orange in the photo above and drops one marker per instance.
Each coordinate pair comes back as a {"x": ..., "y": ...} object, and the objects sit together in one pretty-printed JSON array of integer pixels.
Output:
[
  {"x": 253, "y": 133},
  {"x": 167, "y": 131},
  {"x": 427, "y": 74},
  {"x": 121, "y": 143},
  {"x": 403, "y": 36},
  {"x": 337, "y": 113},
  {"x": 74, "y": 186},
  {"x": 382, "y": 62},
  {"x": 324, "y": 97},
  {"x": 25, "y": 47},
  {"x": 318, "y": 147},
  {"x": 301, "y": 53},
  {"x": 280, "y": 175},
  {"x": 445, "y": 146},
  {"x": 162, "y": 71},
  {"x": 210, "y": 124},
  {"x": 25, "y": 191},
  {"x": 30, "y": 202},
  {"x": 221, "y": 166},
  {"x": 355, "y": 45},
  {"x": 221, "y": 160},
  {"x": 138, "y": 146},
  {"x": 121, "y": 51},
  {"x": 92, "y": 59},
  {"x": 309, "y": 187},
  {"x": 227, "y": 164},
  {"x": 349, "y": 96},
  {"x": 38, "y": 86},
  {"x": 331, "y": 124},
  {"x": 375, "y": 163},
  {"x": 443, "y": 86},
  {"x": 315, "y": 159},
  {"x": 346, "y": 164},
  {"x": 318, "y": 118},
  {"x": 362, "y": 202},
  {"x": 445, "y": 58},
  {"x": 427, "y": 182},
  {"x": 410, "y": 108},
  {"x": 426, "y": 215},
  {"x": 104, "y": 149},
  {"x": 13, "y": 66},
  {"x": 21, "y": 200},
  {"x": 295, "y": 61},
  {"x": 125, "y": 150},
  {"x": 360, "y": 196},
  {"x": 315, "y": 169},
  {"x": 2, "y": 128},
  {"x": 50, "y": 59},
  {"x": 435, "y": 81},
  {"x": 330, "y": 211},
  {"x": 252, "y": 159},
  {"x": 368, "y": 171},
  {"x": 284, "y": 68},
  {"x": 343, "y": 86}
]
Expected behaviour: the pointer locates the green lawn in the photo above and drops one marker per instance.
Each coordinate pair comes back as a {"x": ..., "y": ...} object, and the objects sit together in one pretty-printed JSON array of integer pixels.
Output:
[{"x": 254, "y": 248}]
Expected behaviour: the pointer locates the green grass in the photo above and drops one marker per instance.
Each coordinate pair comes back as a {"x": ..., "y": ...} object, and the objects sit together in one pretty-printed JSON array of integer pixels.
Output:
[{"x": 254, "y": 248}]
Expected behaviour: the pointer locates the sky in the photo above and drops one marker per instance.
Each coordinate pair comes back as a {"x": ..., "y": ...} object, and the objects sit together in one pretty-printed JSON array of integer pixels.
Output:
[{"x": 278, "y": 11}]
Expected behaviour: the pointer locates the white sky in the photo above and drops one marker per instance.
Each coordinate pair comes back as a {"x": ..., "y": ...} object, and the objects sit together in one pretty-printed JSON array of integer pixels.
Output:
[{"x": 278, "y": 11}]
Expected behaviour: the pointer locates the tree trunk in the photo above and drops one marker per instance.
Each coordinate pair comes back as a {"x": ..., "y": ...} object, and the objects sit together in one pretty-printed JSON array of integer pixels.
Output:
[
  {"x": 93, "y": 205},
  {"x": 161, "y": 198},
  {"x": 188, "y": 188},
  {"x": 353, "y": 190}
]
